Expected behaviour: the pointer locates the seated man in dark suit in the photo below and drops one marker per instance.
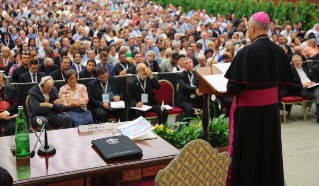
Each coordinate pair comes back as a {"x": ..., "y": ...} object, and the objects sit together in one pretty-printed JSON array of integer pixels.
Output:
[
  {"x": 110, "y": 68},
  {"x": 143, "y": 86},
  {"x": 8, "y": 107},
  {"x": 77, "y": 57},
  {"x": 33, "y": 75},
  {"x": 303, "y": 80},
  {"x": 138, "y": 59},
  {"x": 34, "y": 55},
  {"x": 59, "y": 74},
  {"x": 48, "y": 66},
  {"x": 57, "y": 60},
  {"x": 102, "y": 91},
  {"x": 7, "y": 40},
  {"x": 189, "y": 96},
  {"x": 45, "y": 104},
  {"x": 16, "y": 73},
  {"x": 151, "y": 63},
  {"x": 122, "y": 67},
  {"x": 90, "y": 71}
]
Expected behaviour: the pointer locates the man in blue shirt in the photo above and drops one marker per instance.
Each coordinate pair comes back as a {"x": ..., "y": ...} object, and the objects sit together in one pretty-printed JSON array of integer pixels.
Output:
[
  {"x": 31, "y": 34},
  {"x": 191, "y": 13},
  {"x": 150, "y": 46}
]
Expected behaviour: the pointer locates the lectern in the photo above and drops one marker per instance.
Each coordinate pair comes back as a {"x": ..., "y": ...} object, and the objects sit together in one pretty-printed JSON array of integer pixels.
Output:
[{"x": 207, "y": 88}]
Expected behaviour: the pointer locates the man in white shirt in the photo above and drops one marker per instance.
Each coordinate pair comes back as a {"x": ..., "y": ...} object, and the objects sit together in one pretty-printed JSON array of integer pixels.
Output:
[
  {"x": 201, "y": 59},
  {"x": 45, "y": 45},
  {"x": 23, "y": 37},
  {"x": 303, "y": 80}
]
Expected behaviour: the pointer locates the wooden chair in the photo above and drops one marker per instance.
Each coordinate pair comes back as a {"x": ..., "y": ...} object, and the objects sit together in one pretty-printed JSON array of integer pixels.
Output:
[
  {"x": 304, "y": 107},
  {"x": 289, "y": 100},
  {"x": 31, "y": 127},
  {"x": 197, "y": 164}
]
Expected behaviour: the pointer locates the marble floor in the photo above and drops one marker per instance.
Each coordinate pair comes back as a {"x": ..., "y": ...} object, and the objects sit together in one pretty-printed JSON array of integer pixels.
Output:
[{"x": 300, "y": 141}]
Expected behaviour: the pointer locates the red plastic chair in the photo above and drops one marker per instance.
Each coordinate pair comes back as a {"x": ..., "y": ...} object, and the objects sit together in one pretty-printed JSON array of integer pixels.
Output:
[{"x": 289, "y": 100}]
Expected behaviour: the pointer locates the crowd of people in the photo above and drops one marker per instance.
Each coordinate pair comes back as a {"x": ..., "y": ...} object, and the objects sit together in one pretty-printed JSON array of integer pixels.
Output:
[{"x": 44, "y": 41}]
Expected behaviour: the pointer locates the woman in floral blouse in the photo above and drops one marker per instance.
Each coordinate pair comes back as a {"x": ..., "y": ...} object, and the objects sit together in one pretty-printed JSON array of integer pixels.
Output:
[{"x": 75, "y": 98}]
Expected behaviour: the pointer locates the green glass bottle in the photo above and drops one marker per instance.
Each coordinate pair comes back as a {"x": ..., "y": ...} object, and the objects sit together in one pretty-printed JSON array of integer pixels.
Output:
[{"x": 22, "y": 134}]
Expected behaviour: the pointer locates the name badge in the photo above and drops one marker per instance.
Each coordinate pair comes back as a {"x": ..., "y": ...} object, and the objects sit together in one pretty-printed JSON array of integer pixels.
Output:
[
  {"x": 105, "y": 98},
  {"x": 144, "y": 98}
]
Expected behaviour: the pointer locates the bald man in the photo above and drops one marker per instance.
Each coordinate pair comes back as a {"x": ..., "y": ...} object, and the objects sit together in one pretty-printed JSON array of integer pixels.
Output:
[
  {"x": 45, "y": 104},
  {"x": 254, "y": 76}
]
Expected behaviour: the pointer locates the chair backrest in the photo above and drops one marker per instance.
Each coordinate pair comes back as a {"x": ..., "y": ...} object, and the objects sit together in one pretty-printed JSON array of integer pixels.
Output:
[
  {"x": 165, "y": 93},
  {"x": 197, "y": 164}
]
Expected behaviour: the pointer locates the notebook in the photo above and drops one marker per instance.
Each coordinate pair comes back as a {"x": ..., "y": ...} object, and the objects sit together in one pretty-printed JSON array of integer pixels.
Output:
[{"x": 117, "y": 148}]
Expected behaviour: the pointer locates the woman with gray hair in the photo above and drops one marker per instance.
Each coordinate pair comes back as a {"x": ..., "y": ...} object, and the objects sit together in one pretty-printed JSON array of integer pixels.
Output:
[{"x": 74, "y": 96}]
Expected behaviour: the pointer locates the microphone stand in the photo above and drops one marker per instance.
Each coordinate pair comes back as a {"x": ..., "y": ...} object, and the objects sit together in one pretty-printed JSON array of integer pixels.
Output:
[{"x": 46, "y": 149}]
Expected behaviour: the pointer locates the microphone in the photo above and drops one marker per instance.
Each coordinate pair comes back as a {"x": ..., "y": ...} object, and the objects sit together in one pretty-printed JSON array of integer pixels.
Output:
[
  {"x": 38, "y": 139},
  {"x": 243, "y": 42}
]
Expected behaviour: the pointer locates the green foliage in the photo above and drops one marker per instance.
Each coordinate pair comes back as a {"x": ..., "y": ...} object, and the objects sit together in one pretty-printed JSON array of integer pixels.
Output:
[
  {"x": 283, "y": 11},
  {"x": 179, "y": 134}
]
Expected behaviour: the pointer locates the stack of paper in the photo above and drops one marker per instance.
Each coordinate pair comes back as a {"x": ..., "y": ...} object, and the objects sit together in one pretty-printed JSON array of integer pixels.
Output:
[
  {"x": 143, "y": 108},
  {"x": 137, "y": 128},
  {"x": 168, "y": 107},
  {"x": 119, "y": 104},
  {"x": 218, "y": 81},
  {"x": 223, "y": 67}
]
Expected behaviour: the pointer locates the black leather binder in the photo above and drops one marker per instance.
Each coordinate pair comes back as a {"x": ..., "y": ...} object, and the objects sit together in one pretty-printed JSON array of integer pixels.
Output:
[{"x": 117, "y": 148}]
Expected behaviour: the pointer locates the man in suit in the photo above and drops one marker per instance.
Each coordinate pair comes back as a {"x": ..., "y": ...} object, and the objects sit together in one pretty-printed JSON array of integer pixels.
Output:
[
  {"x": 57, "y": 60},
  {"x": 143, "y": 86},
  {"x": 234, "y": 21},
  {"x": 93, "y": 32},
  {"x": 138, "y": 58},
  {"x": 7, "y": 41},
  {"x": 90, "y": 71},
  {"x": 45, "y": 104},
  {"x": 33, "y": 75},
  {"x": 103, "y": 58},
  {"x": 151, "y": 63},
  {"x": 303, "y": 80},
  {"x": 59, "y": 74},
  {"x": 96, "y": 46},
  {"x": 16, "y": 73},
  {"x": 99, "y": 89},
  {"x": 122, "y": 67},
  {"x": 34, "y": 55},
  {"x": 190, "y": 53},
  {"x": 48, "y": 66},
  {"x": 189, "y": 96},
  {"x": 77, "y": 57},
  {"x": 282, "y": 41}
]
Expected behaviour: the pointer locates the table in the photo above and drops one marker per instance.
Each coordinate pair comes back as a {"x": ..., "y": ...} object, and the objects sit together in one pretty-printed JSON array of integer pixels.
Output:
[{"x": 76, "y": 158}]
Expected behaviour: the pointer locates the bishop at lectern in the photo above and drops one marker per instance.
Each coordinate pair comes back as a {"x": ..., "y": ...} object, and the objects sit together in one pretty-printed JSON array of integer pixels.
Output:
[{"x": 253, "y": 78}]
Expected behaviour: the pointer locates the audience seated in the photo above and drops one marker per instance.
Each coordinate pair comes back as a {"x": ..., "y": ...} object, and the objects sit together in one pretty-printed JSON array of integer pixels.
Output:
[
  {"x": 48, "y": 66},
  {"x": 123, "y": 65},
  {"x": 104, "y": 62},
  {"x": 189, "y": 96},
  {"x": 74, "y": 97},
  {"x": 151, "y": 62},
  {"x": 16, "y": 73},
  {"x": 90, "y": 71},
  {"x": 102, "y": 91},
  {"x": 143, "y": 87},
  {"x": 8, "y": 107},
  {"x": 77, "y": 57},
  {"x": 33, "y": 75},
  {"x": 138, "y": 59},
  {"x": 59, "y": 74},
  {"x": 45, "y": 104},
  {"x": 303, "y": 80}
]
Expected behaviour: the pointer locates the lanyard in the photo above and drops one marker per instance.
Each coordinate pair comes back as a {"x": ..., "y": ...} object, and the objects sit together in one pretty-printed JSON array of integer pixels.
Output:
[
  {"x": 124, "y": 66},
  {"x": 104, "y": 88},
  {"x": 191, "y": 79},
  {"x": 62, "y": 75},
  {"x": 5, "y": 63},
  {"x": 7, "y": 43},
  {"x": 141, "y": 84}
]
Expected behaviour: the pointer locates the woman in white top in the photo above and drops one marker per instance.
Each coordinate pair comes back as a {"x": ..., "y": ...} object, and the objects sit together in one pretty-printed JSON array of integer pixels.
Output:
[
  {"x": 111, "y": 37},
  {"x": 177, "y": 48},
  {"x": 180, "y": 66}
]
